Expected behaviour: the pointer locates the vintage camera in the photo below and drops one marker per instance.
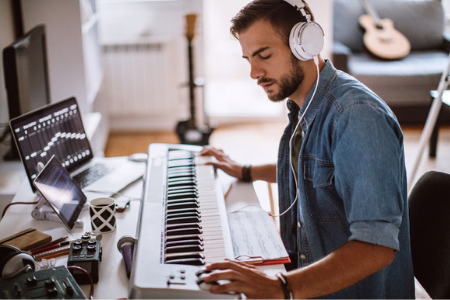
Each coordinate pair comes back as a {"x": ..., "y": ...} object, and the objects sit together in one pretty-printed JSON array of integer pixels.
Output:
[{"x": 87, "y": 254}]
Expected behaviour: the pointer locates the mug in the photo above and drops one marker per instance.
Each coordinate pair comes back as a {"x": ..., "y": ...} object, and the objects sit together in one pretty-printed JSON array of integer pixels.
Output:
[{"x": 103, "y": 214}]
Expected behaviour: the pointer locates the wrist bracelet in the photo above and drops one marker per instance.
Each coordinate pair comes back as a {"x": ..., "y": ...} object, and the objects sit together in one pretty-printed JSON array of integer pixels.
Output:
[
  {"x": 246, "y": 173},
  {"x": 285, "y": 286}
]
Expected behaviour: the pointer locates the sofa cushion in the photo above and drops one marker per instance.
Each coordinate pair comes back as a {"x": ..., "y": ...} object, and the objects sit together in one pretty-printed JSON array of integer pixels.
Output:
[
  {"x": 421, "y": 21},
  {"x": 402, "y": 82}
]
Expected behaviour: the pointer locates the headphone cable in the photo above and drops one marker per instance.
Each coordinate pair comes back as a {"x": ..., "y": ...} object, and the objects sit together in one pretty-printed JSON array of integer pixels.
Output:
[{"x": 316, "y": 62}]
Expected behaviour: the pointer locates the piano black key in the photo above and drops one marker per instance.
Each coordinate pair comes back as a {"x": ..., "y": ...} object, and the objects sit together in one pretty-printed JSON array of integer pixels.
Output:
[
  {"x": 184, "y": 248},
  {"x": 185, "y": 192},
  {"x": 179, "y": 179},
  {"x": 182, "y": 200},
  {"x": 184, "y": 231},
  {"x": 182, "y": 174},
  {"x": 172, "y": 212},
  {"x": 179, "y": 189},
  {"x": 188, "y": 261},
  {"x": 187, "y": 214},
  {"x": 183, "y": 225},
  {"x": 178, "y": 213},
  {"x": 184, "y": 242},
  {"x": 191, "y": 204},
  {"x": 195, "y": 254},
  {"x": 180, "y": 163},
  {"x": 182, "y": 183},
  {"x": 188, "y": 219}
]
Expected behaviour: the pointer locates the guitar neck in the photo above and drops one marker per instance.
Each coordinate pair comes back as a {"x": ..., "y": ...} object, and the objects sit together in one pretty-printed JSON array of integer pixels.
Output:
[
  {"x": 190, "y": 33},
  {"x": 371, "y": 11},
  {"x": 191, "y": 85}
]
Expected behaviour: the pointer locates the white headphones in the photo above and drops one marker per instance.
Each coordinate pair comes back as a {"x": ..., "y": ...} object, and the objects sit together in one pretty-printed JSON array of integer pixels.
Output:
[{"x": 306, "y": 38}]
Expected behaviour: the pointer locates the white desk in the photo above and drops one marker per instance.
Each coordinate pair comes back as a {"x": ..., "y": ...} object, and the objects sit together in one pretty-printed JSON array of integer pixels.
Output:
[{"x": 113, "y": 282}]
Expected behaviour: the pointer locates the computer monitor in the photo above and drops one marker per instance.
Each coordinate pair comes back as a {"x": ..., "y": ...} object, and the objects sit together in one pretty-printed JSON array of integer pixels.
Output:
[{"x": 26, "y": 75}]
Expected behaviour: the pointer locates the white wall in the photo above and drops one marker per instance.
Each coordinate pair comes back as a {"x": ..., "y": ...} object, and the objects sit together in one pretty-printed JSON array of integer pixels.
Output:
[
  {"x": 231, "y": 95},
  {"x": 6, "y": 38}
]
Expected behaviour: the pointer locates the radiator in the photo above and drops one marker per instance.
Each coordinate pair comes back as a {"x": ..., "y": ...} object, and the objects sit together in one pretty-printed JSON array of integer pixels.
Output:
[{"x": 138, "y": 82}]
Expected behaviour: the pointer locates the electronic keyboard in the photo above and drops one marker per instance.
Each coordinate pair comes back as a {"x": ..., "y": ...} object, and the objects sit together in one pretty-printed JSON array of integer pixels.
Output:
[{"x": 182, "y": 225}]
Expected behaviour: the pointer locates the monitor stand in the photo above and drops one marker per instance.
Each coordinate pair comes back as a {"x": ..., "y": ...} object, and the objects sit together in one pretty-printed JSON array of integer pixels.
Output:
[
  {"x": 12, "y": 154},
  {"x": 44, "y": 212}
]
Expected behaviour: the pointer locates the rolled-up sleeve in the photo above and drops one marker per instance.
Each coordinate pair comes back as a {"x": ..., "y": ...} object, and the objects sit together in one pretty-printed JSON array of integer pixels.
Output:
[
  {"x": 375, "y": 232},
  {"x": 368, "y": 167}
]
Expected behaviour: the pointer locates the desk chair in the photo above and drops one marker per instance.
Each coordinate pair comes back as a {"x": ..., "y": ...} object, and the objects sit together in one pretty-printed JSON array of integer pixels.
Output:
[{"x": 429, "y": 211}]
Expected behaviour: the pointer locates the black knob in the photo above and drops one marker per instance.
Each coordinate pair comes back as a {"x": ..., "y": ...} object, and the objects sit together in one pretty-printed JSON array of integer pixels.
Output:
[
  {"x": 31, "y": 280},
  {"x": 52, "y": 292},
  {"x": 49, "y": 283},
  {"x": 69, "y": 290}
]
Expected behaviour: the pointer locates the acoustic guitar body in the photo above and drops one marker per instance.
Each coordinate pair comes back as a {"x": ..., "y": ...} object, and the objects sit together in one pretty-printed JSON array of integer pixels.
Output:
[{"x": 383, "y": 40}]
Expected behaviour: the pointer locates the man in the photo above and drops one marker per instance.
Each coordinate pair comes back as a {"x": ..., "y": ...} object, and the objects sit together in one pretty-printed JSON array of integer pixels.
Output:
[{"x": 342, "y": 184}]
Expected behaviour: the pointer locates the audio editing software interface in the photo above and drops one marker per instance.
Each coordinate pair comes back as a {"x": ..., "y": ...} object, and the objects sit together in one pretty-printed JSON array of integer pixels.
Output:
[{"x": 55, "y": 131}]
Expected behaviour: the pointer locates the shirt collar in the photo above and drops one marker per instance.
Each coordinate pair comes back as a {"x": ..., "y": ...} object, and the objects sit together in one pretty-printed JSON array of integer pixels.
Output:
[{"x": 326, "y": 76}]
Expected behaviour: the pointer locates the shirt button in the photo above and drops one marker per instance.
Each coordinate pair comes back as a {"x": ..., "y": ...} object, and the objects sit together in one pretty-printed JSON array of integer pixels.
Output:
[
  {"x": 299, "y": 225},
  {"x": 302, "y": 256}
]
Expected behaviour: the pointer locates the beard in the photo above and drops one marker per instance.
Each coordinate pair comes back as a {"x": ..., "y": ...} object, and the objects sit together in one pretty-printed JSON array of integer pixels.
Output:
[{"x": 288, "y": 82}]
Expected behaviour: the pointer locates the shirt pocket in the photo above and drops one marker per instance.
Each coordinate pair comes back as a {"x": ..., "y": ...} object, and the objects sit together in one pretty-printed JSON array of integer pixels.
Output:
[{"x": 322, "y": 199}]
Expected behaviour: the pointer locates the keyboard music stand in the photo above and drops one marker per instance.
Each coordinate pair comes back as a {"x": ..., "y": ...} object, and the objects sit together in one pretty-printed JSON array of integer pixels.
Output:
[{"x": 430, "y": 122}]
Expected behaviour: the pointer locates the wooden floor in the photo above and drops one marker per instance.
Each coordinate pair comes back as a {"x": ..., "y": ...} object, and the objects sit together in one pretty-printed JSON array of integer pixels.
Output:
[{"x": 258, "y": 143}]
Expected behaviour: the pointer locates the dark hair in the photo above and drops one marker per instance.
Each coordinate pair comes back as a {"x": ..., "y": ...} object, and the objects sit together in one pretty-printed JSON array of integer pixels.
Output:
[{"x": 279, "y": 13}]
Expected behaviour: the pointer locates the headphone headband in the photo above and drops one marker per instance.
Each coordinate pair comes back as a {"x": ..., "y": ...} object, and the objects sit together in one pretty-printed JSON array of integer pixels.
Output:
[
  {"x": 300, "y": 6},
  {"x": 296, "y": 3}
]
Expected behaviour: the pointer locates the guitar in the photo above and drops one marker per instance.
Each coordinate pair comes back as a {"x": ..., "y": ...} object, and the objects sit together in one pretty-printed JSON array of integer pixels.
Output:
[
  {"x": 188, "y": 132},
  {"x": 381, "y": 38}
]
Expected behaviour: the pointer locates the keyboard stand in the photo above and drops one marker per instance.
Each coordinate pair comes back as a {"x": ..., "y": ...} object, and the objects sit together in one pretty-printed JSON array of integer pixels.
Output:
[{"x": 42, "y": 211}]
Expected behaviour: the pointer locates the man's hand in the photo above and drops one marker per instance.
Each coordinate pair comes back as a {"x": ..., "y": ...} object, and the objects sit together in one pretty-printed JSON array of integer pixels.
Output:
[
  {"x": 243, "y": 278},
  {"x": 224, "y": 162}
]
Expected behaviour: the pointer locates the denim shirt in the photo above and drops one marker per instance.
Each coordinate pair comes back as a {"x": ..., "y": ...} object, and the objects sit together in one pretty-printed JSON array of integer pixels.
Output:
[{"x": 352, "y": 183}]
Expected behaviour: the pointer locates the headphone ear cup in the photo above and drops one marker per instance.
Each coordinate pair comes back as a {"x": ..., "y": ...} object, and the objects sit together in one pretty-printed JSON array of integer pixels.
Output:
[
  {"x": 306, "y": 40},
  {"x": 12, "y": 260}
]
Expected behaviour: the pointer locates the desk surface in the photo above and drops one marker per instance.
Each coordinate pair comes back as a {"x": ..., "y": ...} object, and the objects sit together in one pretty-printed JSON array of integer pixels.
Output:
[{"x": 113, "y": 282}]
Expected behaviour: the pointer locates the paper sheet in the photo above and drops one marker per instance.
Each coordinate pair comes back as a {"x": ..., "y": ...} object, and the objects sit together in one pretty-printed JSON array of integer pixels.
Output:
[{"x": 255, "y": 237}]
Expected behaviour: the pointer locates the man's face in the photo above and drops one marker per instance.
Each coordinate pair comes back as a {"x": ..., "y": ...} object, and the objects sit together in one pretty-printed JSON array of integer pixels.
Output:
[{"x": 272, "y": 64}]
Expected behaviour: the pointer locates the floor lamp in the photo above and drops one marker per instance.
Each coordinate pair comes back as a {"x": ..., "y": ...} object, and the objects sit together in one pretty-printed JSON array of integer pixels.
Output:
[{"x": 430, "y": 123}]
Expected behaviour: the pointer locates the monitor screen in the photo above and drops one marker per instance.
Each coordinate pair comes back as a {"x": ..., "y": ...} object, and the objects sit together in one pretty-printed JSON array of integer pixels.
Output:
[
  {"x": 26, "y": 74},
  {"x": 61, "y": 192},
  {"x": 55, "y": 129}
]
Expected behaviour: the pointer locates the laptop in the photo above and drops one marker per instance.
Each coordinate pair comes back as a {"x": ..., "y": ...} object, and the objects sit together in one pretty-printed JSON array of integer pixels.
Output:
[{"x": 57, "y": 129}]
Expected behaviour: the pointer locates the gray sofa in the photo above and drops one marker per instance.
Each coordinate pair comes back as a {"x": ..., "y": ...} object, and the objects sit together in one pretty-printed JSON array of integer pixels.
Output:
[{"x": 404, "y": 84}]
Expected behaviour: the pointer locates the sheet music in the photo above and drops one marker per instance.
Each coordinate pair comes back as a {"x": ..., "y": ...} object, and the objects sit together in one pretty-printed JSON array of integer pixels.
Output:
[{"x": 255, "y": 237}]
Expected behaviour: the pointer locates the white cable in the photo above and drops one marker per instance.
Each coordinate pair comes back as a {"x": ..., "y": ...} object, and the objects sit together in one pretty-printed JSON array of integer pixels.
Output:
[{"x": 316, "y": 61}]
